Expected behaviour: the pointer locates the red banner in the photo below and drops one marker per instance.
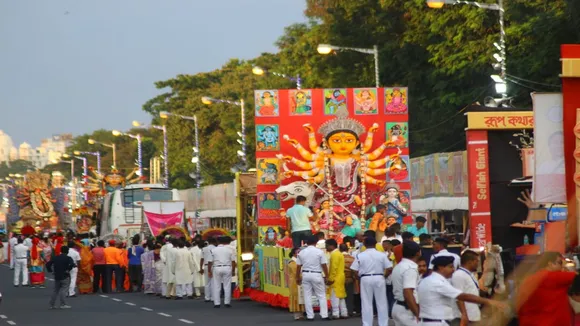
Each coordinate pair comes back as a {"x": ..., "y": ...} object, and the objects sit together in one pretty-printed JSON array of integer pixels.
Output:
[
  {"x": 478, "y": 176},
  {"x": 158, "y": 222}
]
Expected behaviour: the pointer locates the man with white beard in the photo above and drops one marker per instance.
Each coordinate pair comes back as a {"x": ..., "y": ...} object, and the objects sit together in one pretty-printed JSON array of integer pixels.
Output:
[{"x": 183, "y": 271}]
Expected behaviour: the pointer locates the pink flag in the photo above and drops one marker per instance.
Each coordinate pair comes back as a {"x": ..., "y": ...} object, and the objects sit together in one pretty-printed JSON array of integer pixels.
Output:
[{"x": 158, "y": 222}]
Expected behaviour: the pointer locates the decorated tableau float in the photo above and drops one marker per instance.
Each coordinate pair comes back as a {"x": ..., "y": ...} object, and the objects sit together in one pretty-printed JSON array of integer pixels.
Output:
[{"x": 350, "y": 155}]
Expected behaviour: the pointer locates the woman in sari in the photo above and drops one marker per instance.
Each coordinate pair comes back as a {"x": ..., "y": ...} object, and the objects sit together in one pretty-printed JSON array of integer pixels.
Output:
[
  {"x": 159, "y": 266},
  {"x": 84, "y": 281},
  {"x": 46, "y": 249},
  {"x": 36, "y": 265},
  {"x": 295, "y": 304},
  {"x": 148, "y": 265}
]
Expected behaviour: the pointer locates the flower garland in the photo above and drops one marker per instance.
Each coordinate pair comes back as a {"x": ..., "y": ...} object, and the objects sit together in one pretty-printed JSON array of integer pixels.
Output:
[
  {"x": 35, "y": 208},
  {"x": 329, "y": 185},
  {"x": 364, "y": 163}
]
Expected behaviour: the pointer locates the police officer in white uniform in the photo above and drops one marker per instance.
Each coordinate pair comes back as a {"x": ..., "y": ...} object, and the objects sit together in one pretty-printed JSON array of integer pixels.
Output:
[
  {"x": 221, "y": 267},
  {"x": 311, "y": 272},
  {"x": 372, "y": 267},
  {"x": 12, "y": 243},
  {"x": 463, "y": 280},
  {"x": 437, "y": 296},
  {"x": 405, "y": 278},
  {"x": 205, "y": 257},
  {"x": 20, "y": 263},
  {"x": 440, "y": 248}
]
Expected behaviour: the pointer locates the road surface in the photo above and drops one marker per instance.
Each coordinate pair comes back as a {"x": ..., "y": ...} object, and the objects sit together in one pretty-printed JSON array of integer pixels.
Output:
[{"x": 29, "y": 307}]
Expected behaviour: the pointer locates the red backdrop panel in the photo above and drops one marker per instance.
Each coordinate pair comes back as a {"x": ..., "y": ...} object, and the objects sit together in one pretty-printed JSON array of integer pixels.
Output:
[{"x": 292, "y": 125}]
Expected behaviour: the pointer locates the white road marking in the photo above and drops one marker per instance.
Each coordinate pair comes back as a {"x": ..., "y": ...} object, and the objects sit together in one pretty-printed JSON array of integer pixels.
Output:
[
  {"x": 118, "y": 300},
  {"x": 129, "y": 303},
  {"x": 163, "y": 314},
  {"x": 186, "y": 321},
  {"x": 11, "y": 322},
  {"x": 3, "y": 317},
  {"x": 146, "y": 309},
  {"x": 104, "y": 296}
]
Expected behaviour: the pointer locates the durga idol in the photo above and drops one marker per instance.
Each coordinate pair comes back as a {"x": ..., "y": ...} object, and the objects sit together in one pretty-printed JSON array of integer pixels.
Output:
[{"x": 341, "y": 166}]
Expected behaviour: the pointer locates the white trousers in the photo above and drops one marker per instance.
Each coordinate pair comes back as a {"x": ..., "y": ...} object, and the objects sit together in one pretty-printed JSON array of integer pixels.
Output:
[
  {"x": 196, "y": 289},
  {"x": 313, "y": 283},
  {"x": 20, "y": 267},
  {"x": 374, "y": 286},
  {"x": 11, "y": 258},
  {"x": 182, "y": 290},
  {"x": 73, "y": 281},
  {"x": 208, "y": 284},
  {"x": 403, "y": 317},
  {"x": 222, "y": 276},
  {"x": 338, "y": 305},
  {"x": 433, "y": 323}
]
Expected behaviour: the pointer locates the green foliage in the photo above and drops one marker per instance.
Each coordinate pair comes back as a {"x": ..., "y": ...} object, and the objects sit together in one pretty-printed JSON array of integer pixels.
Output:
[
  {"x": 444, "y": 56},
  {"x": 15, "y": 167}
]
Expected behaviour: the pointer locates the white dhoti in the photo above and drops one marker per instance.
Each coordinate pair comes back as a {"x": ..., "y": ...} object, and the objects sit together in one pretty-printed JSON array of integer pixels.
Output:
[
  {"x": 222, "y": 277},
  {"x": 313, "y": 283},
  {"x": 338, "y": 305},
  {"x": 403, "y": 317},
  {"x": 374, "y": 286},
  {"x": 182, "y": 290}
]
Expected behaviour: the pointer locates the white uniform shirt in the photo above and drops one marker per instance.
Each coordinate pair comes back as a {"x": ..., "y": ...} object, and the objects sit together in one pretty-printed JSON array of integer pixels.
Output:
[
  {"x": 222, "y": 256},
  {"x": 311, "y": 259},
  {"x": 405, "y": 276},
  {"x": 20, "y": 251},
  {"x": 371, "y": 262},
  {"x": 206, "y": 253},
  {"x": 464, "y": 281},
  {"x": 13, "y": 242},
  {"x": 72, "y": 253},
  {"x": 437, "y": 297},
  {"x": 444, "y": 252},
  {"x": 321, "y": 244},
  {"x": 28, "y": 242}
]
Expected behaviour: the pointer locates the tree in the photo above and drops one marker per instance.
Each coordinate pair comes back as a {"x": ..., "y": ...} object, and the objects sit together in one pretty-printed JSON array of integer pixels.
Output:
[
  {"x": 15, "y": 167},
  {"x": 444, "y": 57}
]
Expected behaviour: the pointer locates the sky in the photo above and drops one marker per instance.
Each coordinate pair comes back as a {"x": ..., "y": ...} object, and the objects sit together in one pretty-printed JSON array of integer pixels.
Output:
[{"x": 74, "y": 66}]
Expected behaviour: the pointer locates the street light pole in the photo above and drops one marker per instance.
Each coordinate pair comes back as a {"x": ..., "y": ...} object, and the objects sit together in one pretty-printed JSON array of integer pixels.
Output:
[
  {"x": 139, "y": 151},
  {"x": 242, "y": 133},
  {"x": 97, "y": 154},
  {"x": 112, "y": 146},
  {"x": 502, "y": 56},
  {"x": 259, "y": 71},
  {"x": 198, "y": 163},
  {"x": 327, "y": 49}
]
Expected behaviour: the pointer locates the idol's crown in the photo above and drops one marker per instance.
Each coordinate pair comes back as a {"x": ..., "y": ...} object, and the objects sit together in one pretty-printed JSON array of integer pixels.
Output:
[{"x": 341, "y": 122}]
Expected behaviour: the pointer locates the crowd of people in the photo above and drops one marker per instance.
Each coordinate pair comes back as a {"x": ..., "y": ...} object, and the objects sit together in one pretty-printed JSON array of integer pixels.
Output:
[{"x": 169, "y": 267}]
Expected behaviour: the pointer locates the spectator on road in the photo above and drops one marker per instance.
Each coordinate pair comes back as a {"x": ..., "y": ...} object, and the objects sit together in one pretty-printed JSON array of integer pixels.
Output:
[
  {"x": 20, "y": 263},
  {"x": 61, "y": 266},
  {"x": 76, "y": 257},
  {"x": 135, "y": 268},
  {"x": 100, "y": 268}
]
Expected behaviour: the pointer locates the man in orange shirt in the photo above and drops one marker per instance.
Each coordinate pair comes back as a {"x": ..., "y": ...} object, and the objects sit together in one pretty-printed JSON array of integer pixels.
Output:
[
  {"x": 543, "y": 296},
  {"x": 398, "y": 249},
  {"x": 379, "y": 222},
  {"x": 114, "y": 260}
]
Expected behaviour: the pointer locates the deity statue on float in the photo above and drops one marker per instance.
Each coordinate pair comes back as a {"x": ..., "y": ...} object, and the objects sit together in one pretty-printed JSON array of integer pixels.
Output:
[
  {"x": 35, "y": 201},
  {"x": 106, "y": 183},
  {"x": 339, "y": 168}
]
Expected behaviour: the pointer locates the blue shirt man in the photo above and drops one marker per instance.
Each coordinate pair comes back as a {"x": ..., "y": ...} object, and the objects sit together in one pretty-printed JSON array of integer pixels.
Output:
[
  {"x": 419, "y": 227},
  {"x": 299, "y": 216}
]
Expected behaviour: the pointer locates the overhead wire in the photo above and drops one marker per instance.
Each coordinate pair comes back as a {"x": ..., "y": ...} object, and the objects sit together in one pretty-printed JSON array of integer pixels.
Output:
[
  {"x": 533, "y": 82},
  {"x": 526, "y": 86}
]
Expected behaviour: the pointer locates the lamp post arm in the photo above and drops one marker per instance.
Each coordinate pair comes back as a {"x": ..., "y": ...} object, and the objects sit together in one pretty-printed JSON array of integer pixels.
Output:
[
  {"x": 488, "y": 6},
  {"x": 361, "y": 50}
]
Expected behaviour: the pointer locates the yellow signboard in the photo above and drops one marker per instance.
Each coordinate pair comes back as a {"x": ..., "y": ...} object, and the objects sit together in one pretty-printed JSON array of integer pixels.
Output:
[{"x": 500, "y": 120}]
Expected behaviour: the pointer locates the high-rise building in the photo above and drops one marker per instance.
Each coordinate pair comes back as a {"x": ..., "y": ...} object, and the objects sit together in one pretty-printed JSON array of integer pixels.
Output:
[{"x": 5, "y": 147}]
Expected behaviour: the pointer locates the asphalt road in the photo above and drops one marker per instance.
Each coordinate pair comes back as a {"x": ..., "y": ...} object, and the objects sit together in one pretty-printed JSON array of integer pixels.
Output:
[{"x": 29, "y": 306}]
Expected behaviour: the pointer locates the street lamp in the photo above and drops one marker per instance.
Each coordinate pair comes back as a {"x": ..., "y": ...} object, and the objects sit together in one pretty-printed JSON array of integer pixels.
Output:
[
  {"x": 92, "y": 142},
  {"x": 258, "y": 71},
  {"x": 500, "y": 86},
  {"x": 242, "y": 134},
  {"x": 195, "y": 158},
  {"x": 139, "y": 152},
  {"x": 163, "y": 128},
  {"x": 327, "y": 49},
  {"x": 85, "y": 168},
  {"x": 97, "y": 154}
]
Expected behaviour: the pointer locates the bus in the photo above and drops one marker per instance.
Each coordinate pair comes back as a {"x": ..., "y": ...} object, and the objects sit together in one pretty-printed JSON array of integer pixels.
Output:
[{"x": 121, "y": 211}]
